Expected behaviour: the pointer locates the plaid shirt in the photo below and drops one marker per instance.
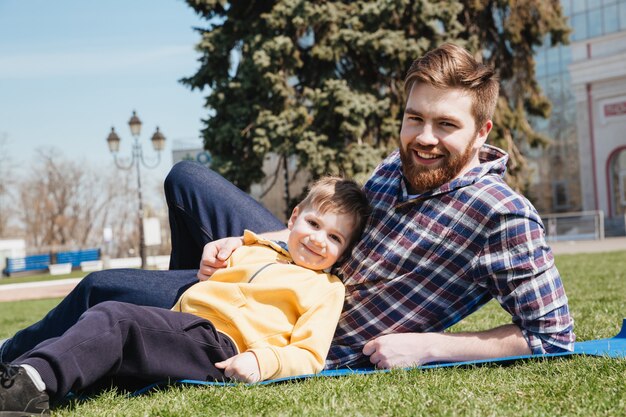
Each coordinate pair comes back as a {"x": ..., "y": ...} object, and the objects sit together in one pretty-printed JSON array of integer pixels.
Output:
[{"x": 425, "y": 263}]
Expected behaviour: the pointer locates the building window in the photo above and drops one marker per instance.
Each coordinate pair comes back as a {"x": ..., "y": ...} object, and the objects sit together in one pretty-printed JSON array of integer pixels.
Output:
[
  {"x": 560, "y": 198},
  {"x": 579, "y": 6},
  {"x": 611, "y": 19},
  {"x": 579, "y": 25},
  {"x": 595, "y": 18},
  {"x": 622, "y": 186},
  {"x": 595, "y": 23},
  {"x": 617, "y": 183},
  {"x": 622, "y": 15}
]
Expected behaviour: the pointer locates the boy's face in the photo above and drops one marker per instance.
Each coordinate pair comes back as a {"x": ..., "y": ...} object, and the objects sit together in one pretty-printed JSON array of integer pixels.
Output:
[
  {"x": 318, "y": 239},
  {"x": 439, "y": 140}
]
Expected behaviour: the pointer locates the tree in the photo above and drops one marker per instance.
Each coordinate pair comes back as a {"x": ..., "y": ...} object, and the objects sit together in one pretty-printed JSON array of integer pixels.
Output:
[
  {"x": 505, "y": 34},
  {"x": 65, "y": 205},
  {"x": 323, "y": 79},
  {"x": 7, "y": 180}
]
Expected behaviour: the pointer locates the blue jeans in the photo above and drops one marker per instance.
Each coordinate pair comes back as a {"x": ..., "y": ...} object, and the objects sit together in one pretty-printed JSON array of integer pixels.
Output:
[{"x": 203, "y": 207}]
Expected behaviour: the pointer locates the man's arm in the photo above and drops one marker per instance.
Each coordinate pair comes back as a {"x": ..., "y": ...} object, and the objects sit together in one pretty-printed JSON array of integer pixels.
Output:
[
  {"x": 215, "y": 254},
  {"x": 411, "y": 349}
]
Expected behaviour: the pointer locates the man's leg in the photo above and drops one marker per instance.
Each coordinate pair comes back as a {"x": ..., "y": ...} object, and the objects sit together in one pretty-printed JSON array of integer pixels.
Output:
[
  {"x": 203, "y": 207},
  {"x": 152, "y": 288},
  {"x": 126, "y": 340}
]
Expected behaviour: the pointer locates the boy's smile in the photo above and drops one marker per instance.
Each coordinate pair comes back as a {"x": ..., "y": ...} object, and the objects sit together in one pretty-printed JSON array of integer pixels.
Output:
[{"x": 317, "y": 240}]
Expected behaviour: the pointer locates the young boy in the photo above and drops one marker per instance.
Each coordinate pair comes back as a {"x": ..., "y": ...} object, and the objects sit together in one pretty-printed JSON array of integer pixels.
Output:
[{"x": 270, "y": 314}]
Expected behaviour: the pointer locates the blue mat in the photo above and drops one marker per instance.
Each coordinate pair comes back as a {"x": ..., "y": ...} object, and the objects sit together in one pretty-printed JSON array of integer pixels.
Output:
[{"x": 614, "y": 347}]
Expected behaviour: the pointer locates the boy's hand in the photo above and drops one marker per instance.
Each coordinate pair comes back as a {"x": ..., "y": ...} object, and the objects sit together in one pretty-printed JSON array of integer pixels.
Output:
[
  {"x": 243, "y": 367},
  {"x": 215, "y": 255}
]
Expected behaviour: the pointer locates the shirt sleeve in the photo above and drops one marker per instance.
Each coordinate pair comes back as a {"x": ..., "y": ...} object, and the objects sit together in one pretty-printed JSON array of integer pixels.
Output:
[
  {"x": 310, "y": 339},
  {"x": 519, "y": 271}
]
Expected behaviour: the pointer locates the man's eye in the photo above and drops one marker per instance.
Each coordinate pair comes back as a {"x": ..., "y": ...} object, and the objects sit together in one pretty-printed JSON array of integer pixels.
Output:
[{"x": 447, "y": 124}]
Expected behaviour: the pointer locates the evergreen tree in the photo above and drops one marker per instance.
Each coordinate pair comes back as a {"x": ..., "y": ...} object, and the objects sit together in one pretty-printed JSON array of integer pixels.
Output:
[{"x": 323, "y": 79}]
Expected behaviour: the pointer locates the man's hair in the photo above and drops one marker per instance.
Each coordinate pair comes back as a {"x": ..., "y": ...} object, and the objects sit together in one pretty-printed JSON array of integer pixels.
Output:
[
  {"x": 342, "y": 196},
  {"x": 450, "y": 66}
]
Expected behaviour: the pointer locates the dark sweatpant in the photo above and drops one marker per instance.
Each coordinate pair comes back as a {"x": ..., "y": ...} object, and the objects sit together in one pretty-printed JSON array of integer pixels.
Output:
[{"x": 115, "y": 339}]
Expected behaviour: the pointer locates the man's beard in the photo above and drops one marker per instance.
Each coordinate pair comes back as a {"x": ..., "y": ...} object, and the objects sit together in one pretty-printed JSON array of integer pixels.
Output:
[{"x": 421, "y": 178}]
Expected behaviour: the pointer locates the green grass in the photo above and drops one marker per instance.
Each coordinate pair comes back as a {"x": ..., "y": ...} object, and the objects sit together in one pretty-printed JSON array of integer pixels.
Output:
[
  {"x": 41, "y": 277},
  {"x": 579, "y": 386}
]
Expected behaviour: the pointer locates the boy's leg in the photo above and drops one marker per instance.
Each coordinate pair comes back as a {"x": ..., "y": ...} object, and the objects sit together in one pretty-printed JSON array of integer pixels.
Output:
[
  {"x": 153, "y": 288},
  {"x": 121, "y": 339},
  {"x": 203, "y": 206}
]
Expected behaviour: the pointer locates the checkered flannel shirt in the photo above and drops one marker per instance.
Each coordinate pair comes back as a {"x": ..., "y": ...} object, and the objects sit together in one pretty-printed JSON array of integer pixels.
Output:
[{"x": 425, "y": 263}]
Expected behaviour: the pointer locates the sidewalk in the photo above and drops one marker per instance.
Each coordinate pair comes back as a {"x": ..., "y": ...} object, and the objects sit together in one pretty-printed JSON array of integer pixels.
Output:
[
  {"x": 59, "y": 288},
  {"x": 610, "y": 244},
  {"x": 37, "y": 290}
]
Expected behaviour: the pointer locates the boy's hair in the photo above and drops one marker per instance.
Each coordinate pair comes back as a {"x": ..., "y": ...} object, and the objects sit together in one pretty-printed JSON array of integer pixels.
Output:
[
  {"x": 451, "y": 66},
  {"x": 339, "y": 195}
]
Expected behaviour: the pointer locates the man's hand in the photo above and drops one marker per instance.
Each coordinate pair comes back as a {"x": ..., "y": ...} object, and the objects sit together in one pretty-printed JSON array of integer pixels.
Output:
[
  {"x": 414, "y": 349},
  {"x": 398, "y": 350},
  {"x": 215, "y": 254},
  {"x": 243, "y": 367}
]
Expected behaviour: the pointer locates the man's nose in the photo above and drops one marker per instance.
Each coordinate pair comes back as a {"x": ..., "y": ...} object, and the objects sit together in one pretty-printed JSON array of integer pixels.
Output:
[{"x": 426, "y": 136}]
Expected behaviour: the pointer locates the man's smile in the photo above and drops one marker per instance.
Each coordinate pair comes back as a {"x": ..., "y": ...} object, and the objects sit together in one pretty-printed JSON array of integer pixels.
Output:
[
  {"x": 426, "y": 158},
  {"x": 427, "y": 155}
]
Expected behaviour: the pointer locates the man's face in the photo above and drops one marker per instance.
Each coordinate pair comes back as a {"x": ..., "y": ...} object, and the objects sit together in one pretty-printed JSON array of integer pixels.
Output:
[
  {"x": 439, "y": 140},
  {"x": 317, "y": 240}
]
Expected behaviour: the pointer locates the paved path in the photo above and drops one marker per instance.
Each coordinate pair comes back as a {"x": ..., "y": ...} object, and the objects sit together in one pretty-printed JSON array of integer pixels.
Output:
[
  {"x": 37, "y": 290},
  {"x": 609, "y": 244},
  {"x": 59, "y": 288}
]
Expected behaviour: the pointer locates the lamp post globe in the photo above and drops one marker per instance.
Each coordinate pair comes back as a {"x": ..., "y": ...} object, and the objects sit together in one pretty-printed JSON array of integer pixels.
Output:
[
  {"x": 137, "y": 160},
  {"x": 113, "y": 141},
  {"x": 135, "y": 125}
]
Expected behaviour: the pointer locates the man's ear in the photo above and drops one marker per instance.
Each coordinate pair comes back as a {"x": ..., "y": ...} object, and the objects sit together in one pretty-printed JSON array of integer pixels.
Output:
[
  {"x": 292, "y": 219},
  {"x": 481, "y": 135}
]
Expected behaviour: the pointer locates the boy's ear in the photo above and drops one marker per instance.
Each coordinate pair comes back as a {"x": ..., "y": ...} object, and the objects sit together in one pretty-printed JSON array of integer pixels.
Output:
[{"x": 292, "y": 219}]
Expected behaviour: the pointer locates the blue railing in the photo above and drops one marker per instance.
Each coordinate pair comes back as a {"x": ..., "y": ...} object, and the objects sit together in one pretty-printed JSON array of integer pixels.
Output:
[
  {"x": 41, "y": 262},
  {"x": 28, "y": 263},
  {"x": 76, "y": 257}
]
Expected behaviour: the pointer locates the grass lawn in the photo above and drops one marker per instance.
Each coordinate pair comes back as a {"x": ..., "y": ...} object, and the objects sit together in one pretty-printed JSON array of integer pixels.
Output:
[
  {"x": 579, "y": 386},
  {"x": 41, "y": 277}
]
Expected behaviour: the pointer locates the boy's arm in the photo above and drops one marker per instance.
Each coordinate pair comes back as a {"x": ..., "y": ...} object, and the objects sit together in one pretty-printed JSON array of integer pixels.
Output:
[
  {"x": 309, "y": 341},
  {"x": 243, "y": 367},
  {"x": 216, "y": 253}
]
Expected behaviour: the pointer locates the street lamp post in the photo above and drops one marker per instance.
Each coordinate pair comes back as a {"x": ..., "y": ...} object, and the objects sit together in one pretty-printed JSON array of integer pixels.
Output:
[{"x": 158, "y": 143}]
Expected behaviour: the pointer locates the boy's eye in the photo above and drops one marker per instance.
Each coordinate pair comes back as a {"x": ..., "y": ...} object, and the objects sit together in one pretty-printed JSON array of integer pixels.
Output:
[
  {"x": 312, "y": 223},
  {"x": 335, "y": 238}
]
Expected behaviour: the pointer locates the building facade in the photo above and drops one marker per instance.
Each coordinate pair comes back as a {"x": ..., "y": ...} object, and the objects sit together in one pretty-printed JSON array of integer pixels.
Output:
[
  {"x": 584, "y": 168},
  {"x": 598, "y": 73}
]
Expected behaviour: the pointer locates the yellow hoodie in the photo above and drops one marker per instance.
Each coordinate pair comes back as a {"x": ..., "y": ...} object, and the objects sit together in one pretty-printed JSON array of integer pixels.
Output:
[{"x": 285, "y": 314}]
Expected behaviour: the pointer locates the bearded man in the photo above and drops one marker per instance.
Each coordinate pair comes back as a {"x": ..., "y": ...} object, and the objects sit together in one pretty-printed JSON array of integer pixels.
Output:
[{"x": 445, "y": 236}]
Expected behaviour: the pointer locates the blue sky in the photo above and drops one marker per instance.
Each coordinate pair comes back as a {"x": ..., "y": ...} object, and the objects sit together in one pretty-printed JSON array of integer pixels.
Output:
[{"x": 71, "y": 69}]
